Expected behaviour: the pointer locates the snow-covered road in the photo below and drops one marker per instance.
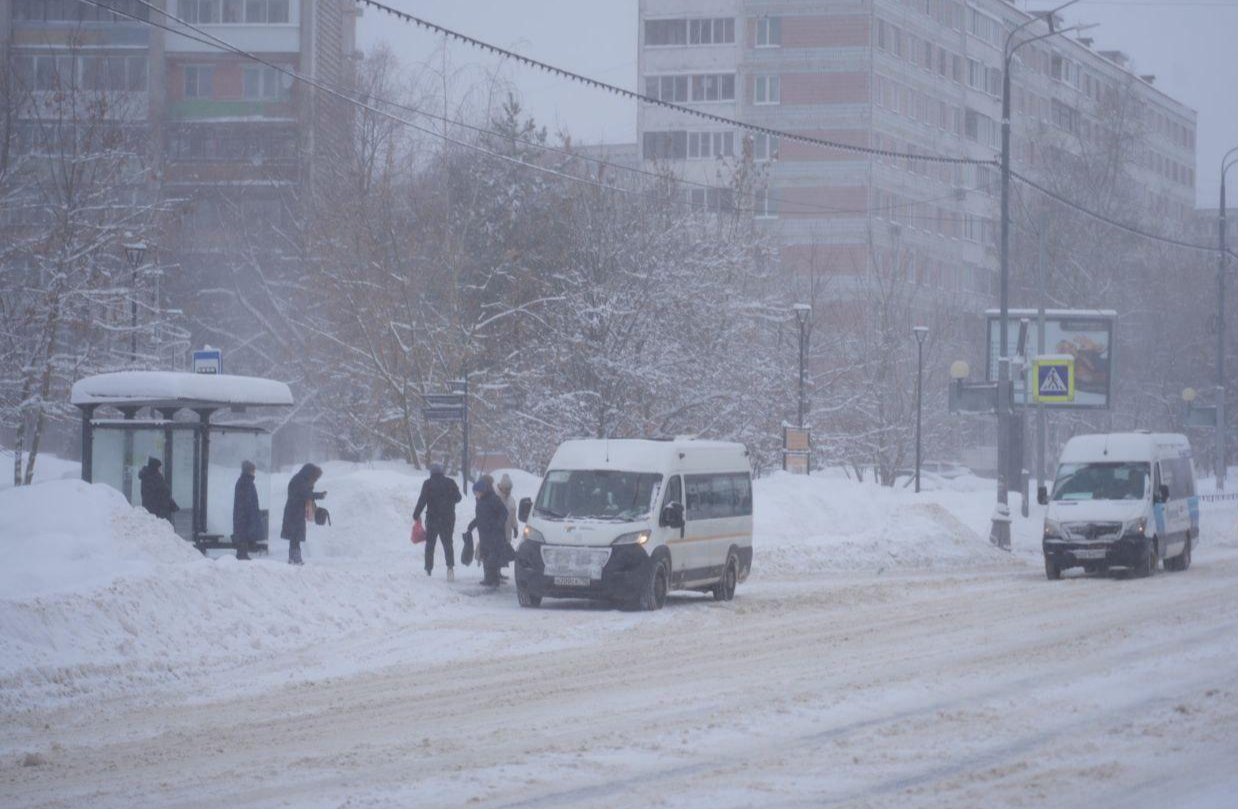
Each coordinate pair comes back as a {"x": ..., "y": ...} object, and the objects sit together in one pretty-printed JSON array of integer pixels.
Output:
[{"x": 982, "y": 686}]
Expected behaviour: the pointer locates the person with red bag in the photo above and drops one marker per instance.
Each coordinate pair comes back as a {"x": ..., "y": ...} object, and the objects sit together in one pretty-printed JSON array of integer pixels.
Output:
[{"x": 439, "y": 495}]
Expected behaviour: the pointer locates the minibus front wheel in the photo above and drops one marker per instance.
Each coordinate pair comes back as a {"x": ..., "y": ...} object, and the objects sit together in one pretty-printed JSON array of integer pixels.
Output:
[{"x": 653, "y": 594}]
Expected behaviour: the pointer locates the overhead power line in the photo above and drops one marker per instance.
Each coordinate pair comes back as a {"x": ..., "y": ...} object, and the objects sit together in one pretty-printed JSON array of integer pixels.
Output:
[
  {"x": 635, "y": 96},
  {"x": 1109, "y": 221},
  {"x": 224, "y": 45},
  {"x": 567, "y": 74},
  {"x": 207, "y": 38}
]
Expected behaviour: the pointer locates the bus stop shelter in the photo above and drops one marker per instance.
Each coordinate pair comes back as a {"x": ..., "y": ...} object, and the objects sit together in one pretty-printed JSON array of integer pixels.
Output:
[{"x": 131, "y": 416}]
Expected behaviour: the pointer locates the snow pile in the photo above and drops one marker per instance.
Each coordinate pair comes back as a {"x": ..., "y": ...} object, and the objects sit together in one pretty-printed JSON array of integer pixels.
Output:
[
  {"x": 99, "y": 598},
  {"x": 68, "y": 535},
  {"x": 827, "y": 522}
]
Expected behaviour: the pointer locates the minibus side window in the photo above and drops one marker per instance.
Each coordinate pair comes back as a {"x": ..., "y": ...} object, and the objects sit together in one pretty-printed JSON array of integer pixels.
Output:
[{"x": 674, "y": 491}]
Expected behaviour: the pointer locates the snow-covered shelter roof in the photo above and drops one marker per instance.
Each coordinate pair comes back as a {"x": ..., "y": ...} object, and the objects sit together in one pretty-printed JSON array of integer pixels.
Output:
[{"x": 171, "y": 389}]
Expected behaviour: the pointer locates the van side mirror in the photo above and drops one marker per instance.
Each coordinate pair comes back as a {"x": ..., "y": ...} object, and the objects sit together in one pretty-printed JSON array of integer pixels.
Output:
[
  {"x": 1042, "y": 496},
  {"x": 526, "y": 505},
  {"x": 1161, "y": 495},
  {"x": 672, "y": 516}
]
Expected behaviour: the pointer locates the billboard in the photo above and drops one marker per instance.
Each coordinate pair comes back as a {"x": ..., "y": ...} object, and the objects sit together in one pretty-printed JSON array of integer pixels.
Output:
[{"x": 1086, "y": 336}]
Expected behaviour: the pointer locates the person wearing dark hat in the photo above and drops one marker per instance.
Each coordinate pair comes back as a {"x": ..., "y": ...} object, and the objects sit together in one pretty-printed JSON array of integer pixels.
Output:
[
  {"x": 490, "y": 522},
  {"x": 246, "y": 514},
  {"x": 299, "y": 508},
  {"x": 439, "y": 495},
  {"x": 156, "y": 494}
]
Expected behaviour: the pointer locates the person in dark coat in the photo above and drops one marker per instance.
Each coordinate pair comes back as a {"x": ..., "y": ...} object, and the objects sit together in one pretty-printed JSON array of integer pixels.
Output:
[
  {"x": 246, "y": 515},
  {"x": 301, "y": 497},
  {"x": 156, "y": 494},
  {"x": 491, "y": 524},
  {"x": 439, "y": 495}
]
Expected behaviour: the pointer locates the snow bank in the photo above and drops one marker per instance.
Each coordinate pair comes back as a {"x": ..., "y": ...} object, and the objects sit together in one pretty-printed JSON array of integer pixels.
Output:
[
  {"x": 68, "y": 535},
  {"x": 827, "y": 522},
  {"x": 99, "y": 598}
]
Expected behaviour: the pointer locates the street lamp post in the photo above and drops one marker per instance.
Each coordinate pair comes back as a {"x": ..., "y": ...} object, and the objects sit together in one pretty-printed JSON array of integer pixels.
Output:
[
  {"x": 921, "y": 333},
  {"x": 1226, "y": 164},
  {"x": 803, "y": 313},
  {"x": 135, "y": 252},
  {"x": 1000, "y": 532}
]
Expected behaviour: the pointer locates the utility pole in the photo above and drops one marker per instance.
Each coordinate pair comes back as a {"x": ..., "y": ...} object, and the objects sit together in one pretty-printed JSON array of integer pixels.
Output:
[
  {"x": 1226, "y": 164},
  {"x": 1000, "y": 532},
  {"x": 921, "y": 333},
  {"x": 1041, "y": 420},
  {"x": 462, "y": 387}
]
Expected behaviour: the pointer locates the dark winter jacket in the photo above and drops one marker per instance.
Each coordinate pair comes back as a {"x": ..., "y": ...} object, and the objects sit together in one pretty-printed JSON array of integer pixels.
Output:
[
  {"x": 439, "y": 495},
  {"x": 156, "y": 496},
  {"x": 300, "y": 491},
  {"x": 490, "y": 524},
  {"x": 246, "y": 516}
]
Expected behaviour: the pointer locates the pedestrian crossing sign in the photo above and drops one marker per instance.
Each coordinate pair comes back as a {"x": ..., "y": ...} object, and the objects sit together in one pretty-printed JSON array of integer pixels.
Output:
[{"x": 1055, "y": 380}]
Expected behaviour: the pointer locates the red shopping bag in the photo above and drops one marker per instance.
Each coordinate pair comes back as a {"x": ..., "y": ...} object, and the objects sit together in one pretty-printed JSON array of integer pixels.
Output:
[{"x": 419, "y": 532}]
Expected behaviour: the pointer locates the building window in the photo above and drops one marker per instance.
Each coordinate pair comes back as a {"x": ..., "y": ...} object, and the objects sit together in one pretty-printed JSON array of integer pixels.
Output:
[
  {"x": 72, "y": 11},
  {"x": 234, "y": 12},
  {"x": 700, "y": 87},
  {"x": 262, "y": 82},
  {"x": 199, "y": 81},
  {"x": 671, "y": 145},
  {"x": 769, "y": 32},
  {"x": 666, "y": 32},
  {"x": 705, "y": 145},
  {"x": 713, "y": 87},
  {"x": 767, "y": 90},
  {"x": 233, "y": 144},
  {"x": 764, "y": 147},
  {"x": 765, "y": 205},
  {"x": 716, "y": 200},
  {"x": 706, "y": 31},
  {"x": 714, "y": 31},
  {"x": 199, "y": 12}
]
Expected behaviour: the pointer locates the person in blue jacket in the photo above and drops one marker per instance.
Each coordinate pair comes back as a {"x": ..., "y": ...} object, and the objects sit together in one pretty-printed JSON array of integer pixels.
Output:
[{"x": 246, "y": 514}]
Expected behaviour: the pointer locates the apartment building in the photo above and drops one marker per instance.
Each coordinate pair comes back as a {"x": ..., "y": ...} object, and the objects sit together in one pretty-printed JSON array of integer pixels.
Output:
[
  {"x": 226, "y": 139},
  {"x": 911, "y": 76}
]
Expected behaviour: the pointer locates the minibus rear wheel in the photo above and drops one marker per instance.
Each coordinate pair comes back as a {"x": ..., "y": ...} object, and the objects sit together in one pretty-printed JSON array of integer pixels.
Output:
[{"x": 724, "y": 590}]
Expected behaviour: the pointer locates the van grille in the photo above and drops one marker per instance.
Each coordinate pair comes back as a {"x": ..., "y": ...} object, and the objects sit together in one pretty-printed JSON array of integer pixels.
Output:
[{"x": 1092, "y": 531}]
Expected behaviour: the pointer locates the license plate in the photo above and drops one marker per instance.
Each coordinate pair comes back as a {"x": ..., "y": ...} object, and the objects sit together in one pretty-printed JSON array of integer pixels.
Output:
[
  {"x": 571, "y": 581},
  {"x": 1090, "y": 554}
]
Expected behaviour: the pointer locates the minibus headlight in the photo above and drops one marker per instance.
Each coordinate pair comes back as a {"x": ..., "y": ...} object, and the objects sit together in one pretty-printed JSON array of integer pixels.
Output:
[
  {"x": 634, "y": 538},
  {"x": 1053, "y": 530},
  {"x": 1135, "y": 529},
  {"x": 533, "y": 535}
]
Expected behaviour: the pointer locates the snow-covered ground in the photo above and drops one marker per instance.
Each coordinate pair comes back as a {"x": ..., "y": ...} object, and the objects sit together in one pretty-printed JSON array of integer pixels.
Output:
[{"x": 882, "y": 654}]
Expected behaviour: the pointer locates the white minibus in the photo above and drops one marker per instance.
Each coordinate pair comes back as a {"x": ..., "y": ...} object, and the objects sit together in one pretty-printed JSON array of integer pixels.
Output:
[
  {"x": 1121, "y": 500},
  {"x": 628, "y": 521}
]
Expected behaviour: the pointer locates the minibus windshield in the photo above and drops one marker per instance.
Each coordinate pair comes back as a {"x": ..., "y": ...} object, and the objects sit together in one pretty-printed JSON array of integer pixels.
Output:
[
  {"x": 597, "y": 494},
  {"x": 1101, "y": 481}
]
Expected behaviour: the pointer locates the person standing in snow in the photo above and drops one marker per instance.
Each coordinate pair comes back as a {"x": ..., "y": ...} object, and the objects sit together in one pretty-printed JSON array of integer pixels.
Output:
[
  {"x": 156, "y": 494},
  {"x": 512, "y": 531},
  {"x": 491, "y": 524},
  {"x": 246, "y": 515},
  {"x": 439, "y": 495},
  {"x": 299, "y": 508}
]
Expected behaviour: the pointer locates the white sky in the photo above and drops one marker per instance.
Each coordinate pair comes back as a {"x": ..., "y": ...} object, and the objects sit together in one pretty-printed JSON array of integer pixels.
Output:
[{"x": 1191, "y": 46}]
